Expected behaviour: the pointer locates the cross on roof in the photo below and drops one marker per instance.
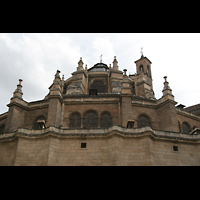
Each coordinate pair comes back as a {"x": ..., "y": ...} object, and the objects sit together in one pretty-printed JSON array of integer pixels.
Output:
[
  {"x": 141, "y": 50},
  {"x": 101, "y": 58}
]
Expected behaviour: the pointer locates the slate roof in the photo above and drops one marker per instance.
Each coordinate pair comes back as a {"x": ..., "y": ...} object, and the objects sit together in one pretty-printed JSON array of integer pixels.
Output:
[{"x": 99, "y": 65}]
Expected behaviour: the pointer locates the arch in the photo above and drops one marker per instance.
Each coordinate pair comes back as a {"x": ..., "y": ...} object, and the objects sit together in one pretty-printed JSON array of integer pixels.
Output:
[
  {"x": 106, "y": 120},
  {"x": 2, "y": 129},
  {"x": 75, "y": 120},
  {"x": 99, "y": 86},
  {"x": 102, "y": 80},
  {"x": 141, "y": 68},
  {"x": 148, "y": 71},
  {"x": 90, "y": 119},
  {"x": 186, "y": 128},
  {"x": 39, "y": 123},
  {"x": 143, "y": 121},
  {"x": 145, "y": 114}
]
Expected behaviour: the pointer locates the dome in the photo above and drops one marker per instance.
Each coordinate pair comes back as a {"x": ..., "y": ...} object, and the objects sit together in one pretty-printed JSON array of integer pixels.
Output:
[{"x": 99, "y": 67}]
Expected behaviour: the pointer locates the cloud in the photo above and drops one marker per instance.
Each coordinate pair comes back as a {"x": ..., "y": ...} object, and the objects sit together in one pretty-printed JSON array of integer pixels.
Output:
[
  {"x": 102, "y": 45},
  {"x": 35, "y": 59}
]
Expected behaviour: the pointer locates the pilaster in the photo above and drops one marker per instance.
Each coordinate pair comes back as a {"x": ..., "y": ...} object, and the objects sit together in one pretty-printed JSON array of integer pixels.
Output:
[
  {"x": 55, "y": 102},
  {"x": 126, "y": 101},
  {"x": 17, "y": 110},
  {"x": 166, "y": 110}
]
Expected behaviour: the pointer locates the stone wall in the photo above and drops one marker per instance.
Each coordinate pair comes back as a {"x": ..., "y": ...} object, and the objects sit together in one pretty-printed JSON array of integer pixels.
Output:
[{"x": 113, "y": 146}]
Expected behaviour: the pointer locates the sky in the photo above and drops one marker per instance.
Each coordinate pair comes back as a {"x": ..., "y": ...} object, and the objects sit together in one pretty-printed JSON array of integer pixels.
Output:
[{"x": 35, "y": 58}]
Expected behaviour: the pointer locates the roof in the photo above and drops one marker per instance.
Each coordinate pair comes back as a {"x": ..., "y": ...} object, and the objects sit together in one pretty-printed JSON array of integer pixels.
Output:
[
  {"x": 99, "y": 66},
  {"x": 143, "y": 58},
  {"x": 192, "y": 108},
  {"x": 181, "y": 106}
]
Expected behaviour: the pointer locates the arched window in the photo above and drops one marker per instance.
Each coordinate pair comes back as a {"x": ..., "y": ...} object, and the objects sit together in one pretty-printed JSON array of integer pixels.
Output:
[
  {"x": 106, "y": 120},
  {"x": 99, "y": 86},
  {"x": 141, "y": 68},
  {"x": 148, "y": 71},
  {"x": 40, "y": 123},
  {"x": 186, "y": 128},
  {"x": 75, "y": 121},
  {"x": 2, "y": 129},
  {"x": 90, "y": 120},
  {"x": 133, "y": 88},
  {"x": 179, "y": 126},
  {"x": 143, "y": 121}
]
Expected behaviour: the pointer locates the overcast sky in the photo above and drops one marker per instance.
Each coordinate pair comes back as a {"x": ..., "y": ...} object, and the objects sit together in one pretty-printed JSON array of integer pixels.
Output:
[{"x": 35, "y": 58}]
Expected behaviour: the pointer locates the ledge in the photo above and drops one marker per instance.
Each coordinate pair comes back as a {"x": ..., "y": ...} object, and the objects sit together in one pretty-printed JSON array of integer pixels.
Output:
[
  {"x": 90, "y": 96},
  {"x": 187, "y": 114},
  {"x": 114, "y": 130},
  {"x": 3, "y": 115}
]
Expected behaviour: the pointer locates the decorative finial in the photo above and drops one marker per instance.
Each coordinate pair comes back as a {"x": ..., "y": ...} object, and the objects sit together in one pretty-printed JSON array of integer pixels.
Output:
[
  {"x": 18, "y": 91},
  {"x": 80, "y": 61},
  {"x": 63, "y": 77},
  {"x": 80, "y": 64},
  {"x": 141, "y": 52},
  {"x": 20, "y": 81},
  {"x": 57, "y": 74},
  {"x": 86, "y": 67},
  {"x": 115, "y": 67},
  {"x": 125, "y": 70},
  {"x": 167, "y": 90}
]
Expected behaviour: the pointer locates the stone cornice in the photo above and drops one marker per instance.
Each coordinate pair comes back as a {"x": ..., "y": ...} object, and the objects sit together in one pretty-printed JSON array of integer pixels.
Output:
[
  {"x": 161, "y": 103},
  {"x": 91, "y": 133},
  {"x": 18, "y": 105},
  {"x": 91, "y": 96},
  {"x": 56, "y": 96},
  {"x": 31, "y": 105},
  {"x": 3, "y": 116},
  {"x": 186, "y": 114},
  {"x": 80, "y": 72}
]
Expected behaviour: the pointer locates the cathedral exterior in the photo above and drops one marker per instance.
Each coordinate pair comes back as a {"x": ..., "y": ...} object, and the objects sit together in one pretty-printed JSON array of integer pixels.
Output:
[{"x": 100, "y": 116}]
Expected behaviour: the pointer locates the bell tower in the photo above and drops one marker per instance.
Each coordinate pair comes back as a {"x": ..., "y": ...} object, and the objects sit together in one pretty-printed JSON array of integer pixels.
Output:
[{"x": 144, "y": 77}]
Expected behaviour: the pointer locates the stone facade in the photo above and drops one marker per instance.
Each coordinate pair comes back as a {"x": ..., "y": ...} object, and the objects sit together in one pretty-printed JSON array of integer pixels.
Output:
[{"x": 100, "y": 116}]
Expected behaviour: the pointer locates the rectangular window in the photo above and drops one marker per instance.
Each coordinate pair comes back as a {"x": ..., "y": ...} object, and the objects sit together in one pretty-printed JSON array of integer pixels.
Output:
[
  {"x": 92, "y": 92},
  {"x": 175, "y": 148},
  {"x": 83, "y": 145},
  {"x": 130, "y": 124}
]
